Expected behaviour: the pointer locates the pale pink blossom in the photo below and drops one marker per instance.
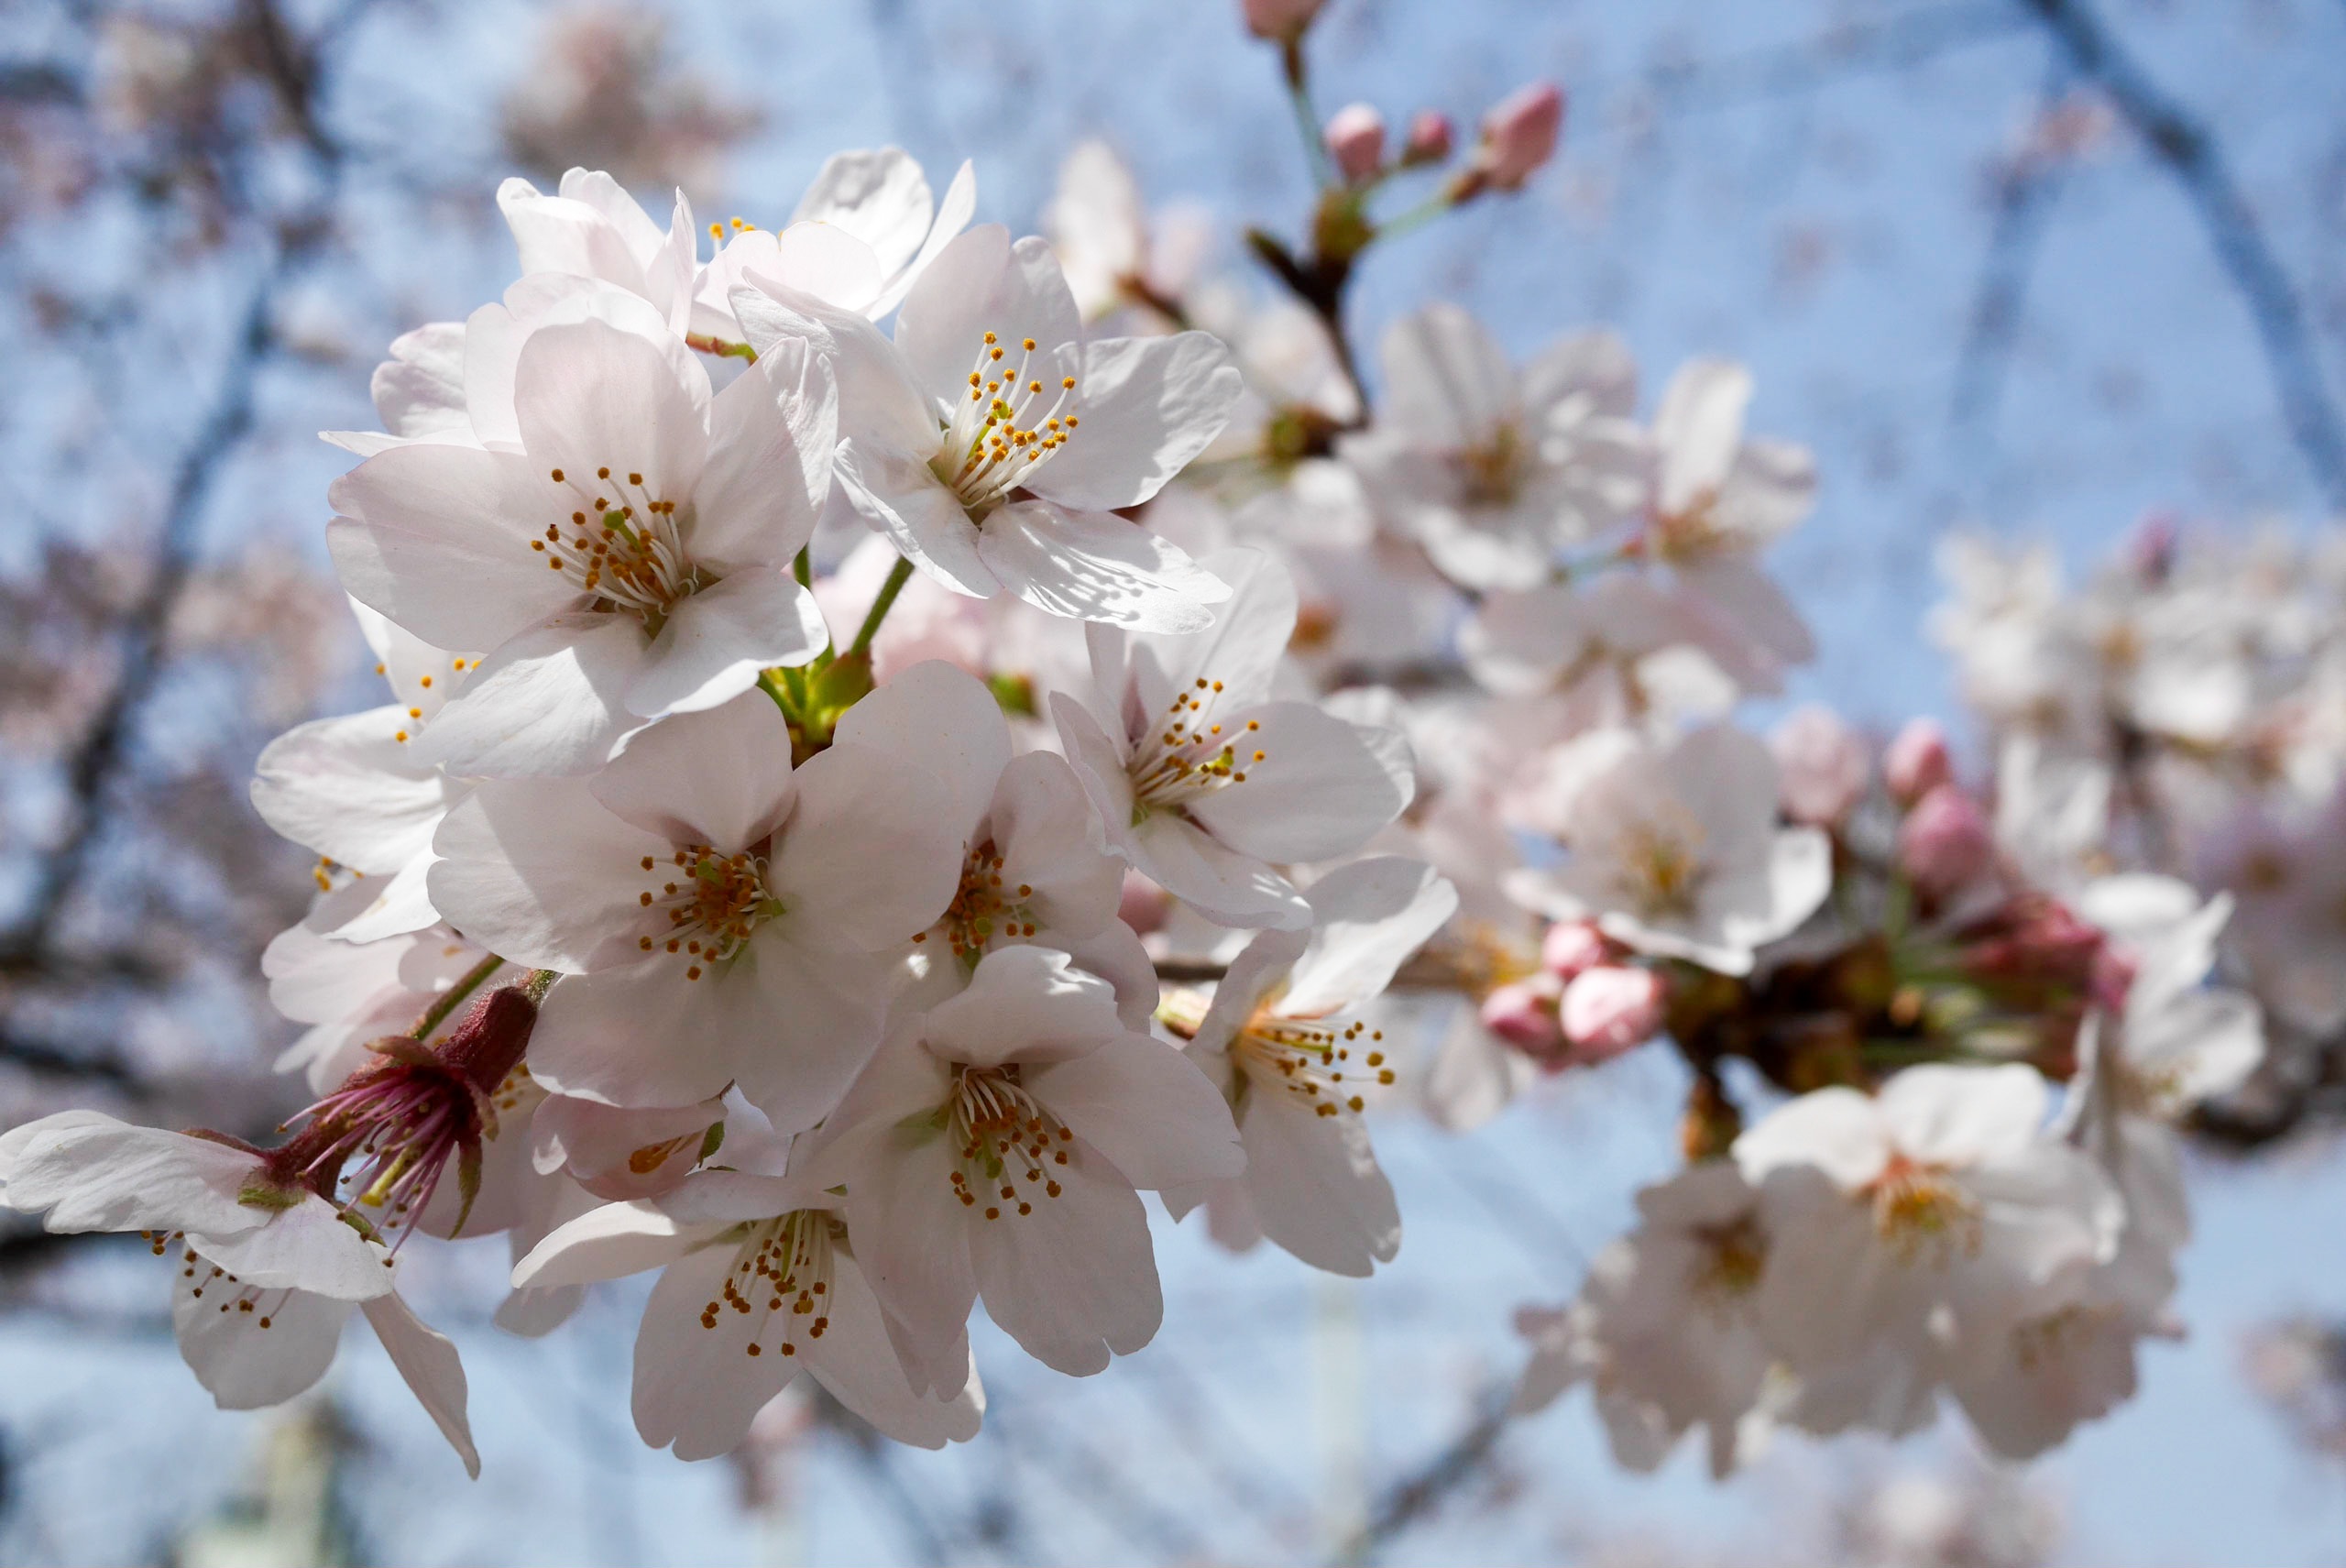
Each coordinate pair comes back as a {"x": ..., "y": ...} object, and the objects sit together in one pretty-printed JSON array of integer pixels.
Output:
[{"x": 1611, "y": 1009}]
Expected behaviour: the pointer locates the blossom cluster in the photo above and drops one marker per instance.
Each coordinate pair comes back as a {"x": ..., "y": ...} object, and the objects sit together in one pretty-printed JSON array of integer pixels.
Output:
[{"x": 903, "y": 740}]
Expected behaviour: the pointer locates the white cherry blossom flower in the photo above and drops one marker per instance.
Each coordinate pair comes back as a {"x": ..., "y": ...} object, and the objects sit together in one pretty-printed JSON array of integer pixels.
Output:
[
  {"x": 1666, "y": 1330},
  {"x": 1720, "y": 498},
  {"x": 860, "y": 238},
  {"x": 993, "y": 444},
  {"x": 723, "y": 917},
  {"x": 1676, "y": 852},
  {"x": 1285, "y": 1042},
  {"x": 592, "y": 228},
  {"x": 1035, "y": 861},
  {"x": 1908, "y": 1224},
  {"x": 2174, "y": 1041},
  {"x": 1203, "y": 782},
  {"x": 1619, "y": 650},
  {"x": 759, "y": 1281},
  {"x": 631, "y": 559},
  {"x": 1495, "y": 473},
  {"x": 992, "y": 1148},
  {"x": 268, "y": 1272}
]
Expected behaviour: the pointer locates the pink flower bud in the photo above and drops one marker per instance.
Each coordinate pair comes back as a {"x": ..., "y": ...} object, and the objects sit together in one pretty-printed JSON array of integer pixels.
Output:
[
  {"x": 1519, "y": 134},
  {"x": 1917, "y": 762},
  {"x": 1143, "y": 905},
  {"x": 1430, "y": 137},
  {"x": 1524, "y": 1014},
  {"x": 1945, "y": 840},
  {"x": 1822, "y": 766},
  {"x": 1281, "y": 21},
  {"x": 1356, "y": 138},
  {"x": 1571, "y": 946},
  {"x": 1610, "y": 1009}
]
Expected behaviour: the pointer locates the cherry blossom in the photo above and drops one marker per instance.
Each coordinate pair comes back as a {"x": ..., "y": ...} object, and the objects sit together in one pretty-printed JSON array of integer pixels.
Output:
[
  {"x": 631, "y": 560},
  {"x": 1284, "y": 1040},
  {"x": 1207, "y": 785},
  {"x": 992, "y": 444}
]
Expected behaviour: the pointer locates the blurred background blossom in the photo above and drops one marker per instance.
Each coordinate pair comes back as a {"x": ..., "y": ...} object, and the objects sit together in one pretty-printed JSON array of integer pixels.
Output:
[{"x": 2020, "y": 270}]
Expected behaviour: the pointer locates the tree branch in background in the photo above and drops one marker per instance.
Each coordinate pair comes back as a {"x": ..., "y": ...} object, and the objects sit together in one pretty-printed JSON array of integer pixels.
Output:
[{"x": 2189, "y": 151}]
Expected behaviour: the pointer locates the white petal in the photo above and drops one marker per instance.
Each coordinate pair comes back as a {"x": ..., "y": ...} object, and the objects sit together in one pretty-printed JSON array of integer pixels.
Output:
[
  {"x": 427, "y": 1360},
  {"x": 542, "y": 872},
  {"x": 1149, "y": 406},
  {"x": 1317, "y": 790},
  {"x": 1075, "y": 1280},
  {"x": 699, "y": 1387},
  {"x": 1449, "y": 381},
  {"x": 610, "y": 1242},
  {"x": 549, "y": 703},
  {"x": 1317, "y": 1187},
  {"x": 980, "y": 283},
  {"x": 1836, "y": 1130},
  {"x": 1960, "y": 1115},
  {"x": 1698, "y": 428},
  {"x": 1049, "y": 837},
  {"x": 936, "y": 717},
  {"x": 1097, "y": 566},
  {"x": 437, "y": 538},
  {"x": 911, "y": 509},
  {"x": 349, "y": 790},
  {"x": 1367, "y": 917},
  {"x": 590, "y": 397},
  {"x": 820, "y": 1012},
  {"x": 856, "y": 1362},
  {"x": 89, "y": 1172},
  {"x": 720, "y": 778},
  {"x": 772, "y": 433},
  {"x": 1146, "y": 1106},
  {"x": 1242, "y": 650},
  {"x": 243, "y": 1365},
  {"x": 306, "y": 1247},
  {"x": 716, "y": 641},
  {"x": 870, "y": 854},
  {"x": 1024, "y": 1004},
  {"x": 1225, "y": 885}
]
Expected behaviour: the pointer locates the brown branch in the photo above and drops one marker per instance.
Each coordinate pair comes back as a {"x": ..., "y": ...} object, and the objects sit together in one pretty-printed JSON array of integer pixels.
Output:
[
  {"x": 1417, "y": 1495},
  {"x": 2189, "y": 151}
]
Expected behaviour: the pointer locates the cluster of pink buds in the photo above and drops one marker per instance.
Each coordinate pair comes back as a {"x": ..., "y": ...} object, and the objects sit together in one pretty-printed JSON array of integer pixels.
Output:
[{"x": 1586, "y": 1004}]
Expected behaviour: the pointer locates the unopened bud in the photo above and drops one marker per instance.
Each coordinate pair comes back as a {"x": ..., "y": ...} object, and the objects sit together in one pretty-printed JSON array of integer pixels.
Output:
[
  {"x": 1917, "y": 760},
  {"x": 1610, "y": 1009},
  {"x": 1571, "y": 946},
  {"x": 1523, "y": 1013},
  {"x": 1143, "y": 905},
  {"x": 490, "y": 1041},
  {"x": 1280, "y": 21},
  {"x": 1429, "y": 139},
  {"x": 1356, "y": 138},
  {"x": 1945, "y": 841},
  {"x": 1821, "y": 765},
  {"x": 1519, "y": 134}
]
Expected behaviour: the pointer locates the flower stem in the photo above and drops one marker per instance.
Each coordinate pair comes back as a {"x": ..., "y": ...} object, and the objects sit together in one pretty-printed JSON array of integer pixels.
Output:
[
  {"x": 447, "y": 1000},
  {"x": 804, "y": 567},
  {"x": 1307, "y": 121},
  {"x": 897, "y": 576}
]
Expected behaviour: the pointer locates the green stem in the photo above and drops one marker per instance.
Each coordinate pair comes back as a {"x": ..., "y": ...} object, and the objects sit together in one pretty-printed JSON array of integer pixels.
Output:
[
  {"x": 898, "y": 576},
  {"x": 1307, "y": 121},
  {"x": 771, "y": 683},
  {"x": 804, "y": 567},
  {"x": 447, "y": 1000},
  {"x": 1415, "y": 217}
]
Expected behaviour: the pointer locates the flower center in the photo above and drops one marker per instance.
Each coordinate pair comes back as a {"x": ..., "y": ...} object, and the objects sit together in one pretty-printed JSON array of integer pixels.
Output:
[
  {"x": 1691, "y": 532},
  {"x": 1310, "y": 1060},
  {"x": 1187, "y": 757},
  {"x": 1007, "y": 1141},
  {"x": 709, "y": 901},
  {"x": 622, "y": 547},
  {"x": 1003, "y": 432},
  {"x": 782, "y": 1261},
  {"x": 1917, "y": 1210},
  {"x": 1661, "y": 866},
  {"x": 982, "y": 908},
  {"x": 1490, "y": 474},
  {"x": 1731, "y": 1260}
]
